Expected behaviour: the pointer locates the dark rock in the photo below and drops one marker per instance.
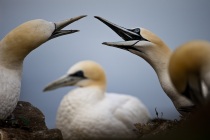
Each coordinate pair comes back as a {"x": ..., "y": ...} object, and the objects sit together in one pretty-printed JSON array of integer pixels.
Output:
[
  {"x": 27, "y": 123},
  {"x": 195, "y": 126},
  {"x": 154, "y": 127}
]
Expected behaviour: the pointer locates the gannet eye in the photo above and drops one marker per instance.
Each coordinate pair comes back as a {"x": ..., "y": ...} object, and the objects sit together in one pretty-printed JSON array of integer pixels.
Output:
[
  {"x": 78, "y": 74},
  {"x": 137, "y": 30}
]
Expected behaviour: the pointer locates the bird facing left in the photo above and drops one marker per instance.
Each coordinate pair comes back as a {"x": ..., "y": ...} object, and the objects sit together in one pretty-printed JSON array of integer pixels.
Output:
[
  {"x": 14, "y": 47},
  {"x": 88, "y": 112}
]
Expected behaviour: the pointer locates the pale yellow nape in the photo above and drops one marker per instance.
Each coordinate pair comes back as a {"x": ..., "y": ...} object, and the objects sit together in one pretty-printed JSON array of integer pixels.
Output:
[
  {"x": 186, "y": 60},
  {"x": 158, "y": 51},
  {"x": 150, "y": 36},
  {"x": 18, "y": 43}
]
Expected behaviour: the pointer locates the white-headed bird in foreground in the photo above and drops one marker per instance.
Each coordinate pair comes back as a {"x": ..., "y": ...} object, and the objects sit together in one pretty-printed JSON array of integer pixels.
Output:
[
  {"x": 151, "y": 48},
  {"x": 88, "y": 112},
  {"x": 14, "y": 47},
  {"x": 189, "y": 69}
]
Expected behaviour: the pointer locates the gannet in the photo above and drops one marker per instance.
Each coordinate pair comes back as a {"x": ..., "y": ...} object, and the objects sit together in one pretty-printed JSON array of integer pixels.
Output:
[
  {"x": 189, "y": 69},
  {"x": 88, "y": 112},
  {"x": 14, "y": 47},
  {"x": 151, "y": 48}
]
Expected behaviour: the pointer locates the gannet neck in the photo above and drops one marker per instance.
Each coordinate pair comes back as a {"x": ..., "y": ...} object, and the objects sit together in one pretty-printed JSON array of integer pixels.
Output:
[
  {"x": 169, "y": 89},
  {"x": 10, "y": 84},
  {"x": 152, "y": 49},
  {"x": 14, "y": 47},
  {"x": 87, "y": 95},
  {"x": 94, "y": 85},
  {"x": 158, "y": 54},
  {"x": 99, "y": 84},
  {"x": 157, "y": 57}
]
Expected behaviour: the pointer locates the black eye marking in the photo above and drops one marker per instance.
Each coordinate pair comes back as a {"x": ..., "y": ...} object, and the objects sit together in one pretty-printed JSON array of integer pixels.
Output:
[
  {"x": 139, "y": 37},
  {"x": 78, "y": 74},
  {"x": 136, "y": 30}
]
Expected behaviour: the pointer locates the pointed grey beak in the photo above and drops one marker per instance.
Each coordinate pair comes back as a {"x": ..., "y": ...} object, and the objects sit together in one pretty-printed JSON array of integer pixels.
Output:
[
  {"x": 131, "y": 36},
  {"x": 126, "y": 34},
  {"x": 63, "y": 81},
  {"x": 125, "y": 45},
  {"x": 60, "y": 25}
]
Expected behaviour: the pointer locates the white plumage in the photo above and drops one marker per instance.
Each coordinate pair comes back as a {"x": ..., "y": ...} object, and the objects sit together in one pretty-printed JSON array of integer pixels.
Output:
[
  {"x": 150, "y": 47},
  {"x": 88, "y": 112},
  {"x": 14, "y": 47}
]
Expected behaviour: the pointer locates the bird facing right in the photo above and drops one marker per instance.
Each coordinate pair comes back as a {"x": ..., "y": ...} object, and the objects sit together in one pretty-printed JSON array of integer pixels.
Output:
[
  {"x": 189, "y": 69},
  {"x": 88, "y": 112},
  {"x": 14, "y": 47}
]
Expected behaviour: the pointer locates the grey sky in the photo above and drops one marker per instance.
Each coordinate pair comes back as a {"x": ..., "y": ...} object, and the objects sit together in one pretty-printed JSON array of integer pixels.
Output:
[{"x": 175, "y": 22}]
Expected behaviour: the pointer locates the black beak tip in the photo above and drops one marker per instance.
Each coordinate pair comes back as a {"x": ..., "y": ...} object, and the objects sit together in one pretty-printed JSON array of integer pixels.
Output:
[
  {"x": 99, "y": 18},
  {"x": 82, "y": 16},
  {"x": 44, "y": 90},
  {"x": 74, "y": 31},
  {"x": 107, "y": 44},
  {"x": 104, "y": 43}
]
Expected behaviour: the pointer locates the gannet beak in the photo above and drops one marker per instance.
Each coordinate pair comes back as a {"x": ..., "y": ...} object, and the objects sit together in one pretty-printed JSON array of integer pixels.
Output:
[
  {"x": 131, "y": 36},
  {"x": 60, "y": 25},
  {"x": 64, "y": 81},
  {"x": 124, "y": 33},
  {"x": 125, "y": 45}
]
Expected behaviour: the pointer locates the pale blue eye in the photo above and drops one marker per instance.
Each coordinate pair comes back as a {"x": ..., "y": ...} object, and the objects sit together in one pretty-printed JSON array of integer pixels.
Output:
[{"x": 137, "y": 30}]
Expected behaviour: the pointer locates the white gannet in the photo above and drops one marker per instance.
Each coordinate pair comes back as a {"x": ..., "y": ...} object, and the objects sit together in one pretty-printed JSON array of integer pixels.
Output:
[
  {"x": 189, "y": 69},
  {"x": 151, "y": 48},
  {"x": 88, "y": 112},
  {"x": 14, "y": 47}
]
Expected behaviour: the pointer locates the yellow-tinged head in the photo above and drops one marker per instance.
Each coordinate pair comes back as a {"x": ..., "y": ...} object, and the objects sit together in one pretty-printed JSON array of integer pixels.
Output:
[
  {"x": 187, "y": 66},
  {"x": 17, "y": 44},
  {"x": 150, "y": 47},
  {"x": 141, "y": 42},
  {"x": 83, "y": 74}
]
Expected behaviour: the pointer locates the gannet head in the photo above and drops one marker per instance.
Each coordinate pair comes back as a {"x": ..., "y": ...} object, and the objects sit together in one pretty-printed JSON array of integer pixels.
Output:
[
  {"x": 189, "y": 70},
  {"x": 141, "y": 42},
  {"x": 150, "y": 47},
  {"x": 29, "y": 35},
  {"x": 82, "y": 74}
]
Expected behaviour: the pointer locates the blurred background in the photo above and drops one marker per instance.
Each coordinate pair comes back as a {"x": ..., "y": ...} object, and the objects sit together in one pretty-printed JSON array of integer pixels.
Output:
[{"x": 175, "y": 22}]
